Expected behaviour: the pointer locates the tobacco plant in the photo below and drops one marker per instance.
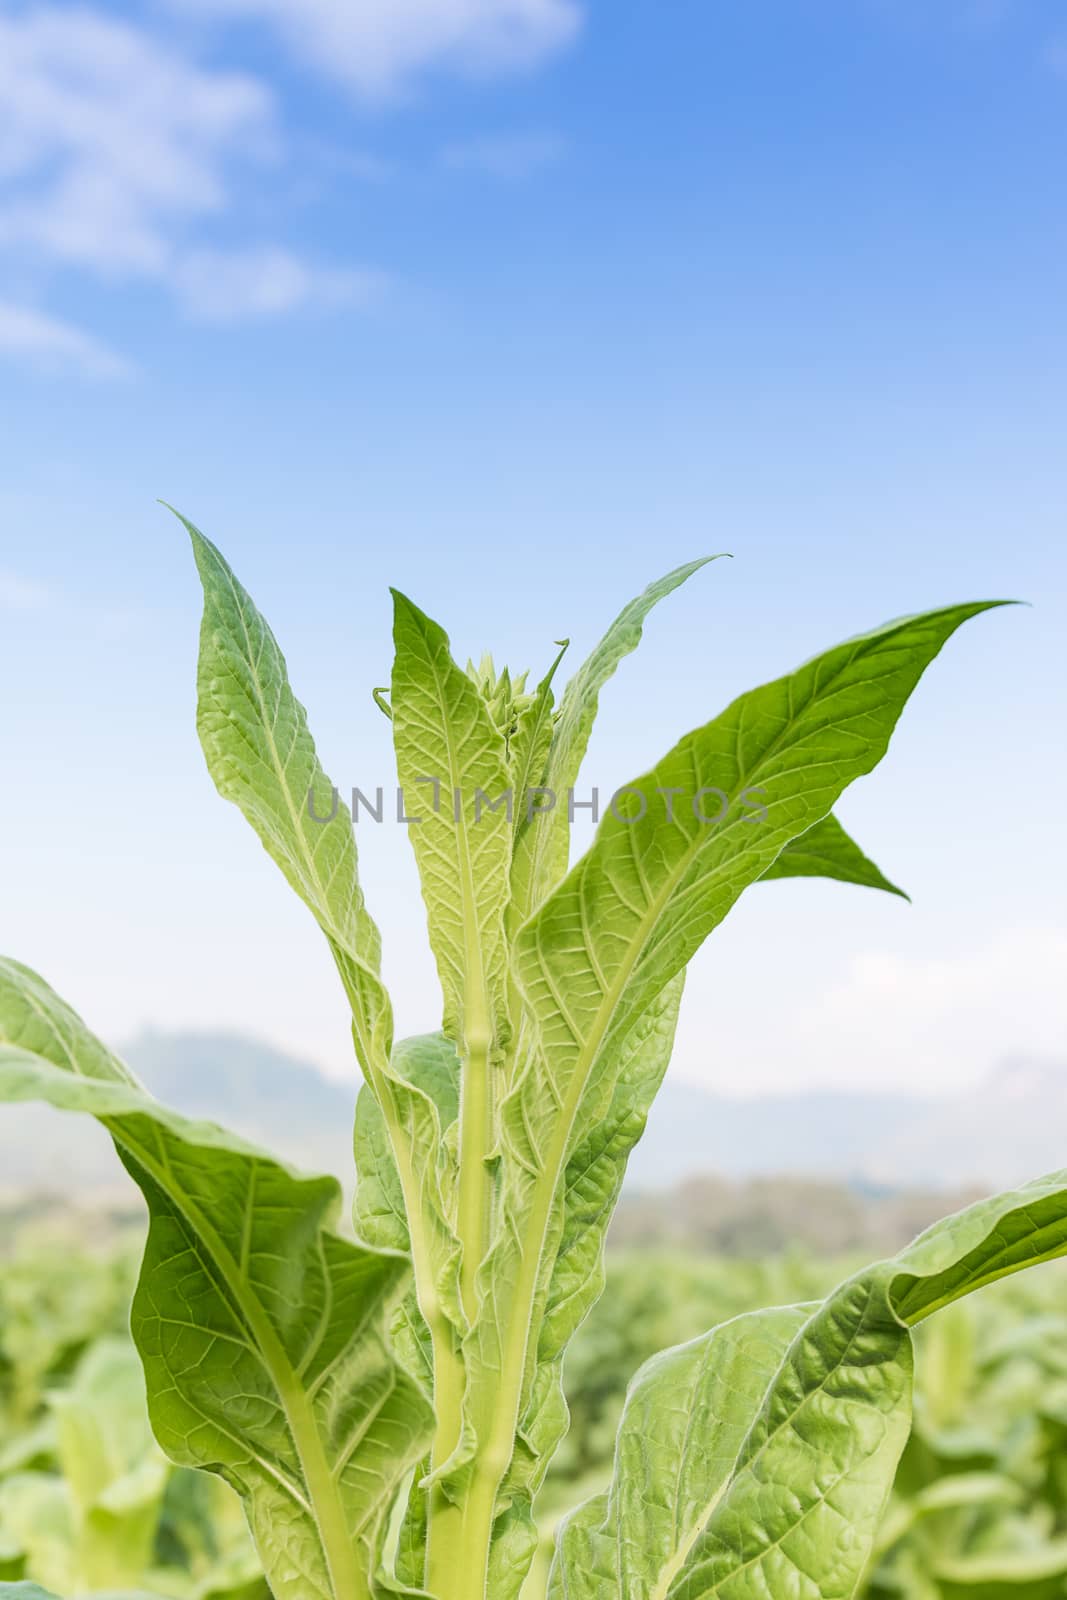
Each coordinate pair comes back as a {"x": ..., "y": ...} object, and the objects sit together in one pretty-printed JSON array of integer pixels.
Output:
[{"x": 387, "y": 1404}]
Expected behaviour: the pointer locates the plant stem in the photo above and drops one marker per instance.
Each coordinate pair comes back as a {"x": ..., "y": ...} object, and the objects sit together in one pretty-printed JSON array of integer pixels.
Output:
[{"x": 475, "y": 1143}]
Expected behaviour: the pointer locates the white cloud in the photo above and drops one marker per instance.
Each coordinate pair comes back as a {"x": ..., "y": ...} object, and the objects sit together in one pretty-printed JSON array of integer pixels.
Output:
[
  {"x": 118, "y": 150},
  {"x": 873, "y": 1019},
  {"x": 110, "y": 141},
  {"x": 115, "y": 150},
  {"x": 216, "y": 286},
  {"x": 50, "y": 345},
  {"x": 941, "y": 1023},
  {"x": 509, "y": 156},
  {"x": 378, "y": 46}
]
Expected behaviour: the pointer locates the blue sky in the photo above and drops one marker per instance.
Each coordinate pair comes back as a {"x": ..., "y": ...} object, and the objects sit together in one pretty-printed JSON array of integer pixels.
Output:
[{"x": 515, "y": 304}]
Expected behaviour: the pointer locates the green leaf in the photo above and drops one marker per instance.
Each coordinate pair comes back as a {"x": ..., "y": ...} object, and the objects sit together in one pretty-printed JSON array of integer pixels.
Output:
[
  {"x": 591, "y": 1185},
  {"x": 653, "y": 886},
  {"x": 795, "y": 1505},
  {"x": 1039, "y": 1574},
  {"x": 40, "y": 1528},
  {"x": 448, "y": 754},
  {"x": 529, "y": 749},
  {"x": 33, "y": 1591},
  {"x": 827, "y": 851},
  {"x": 426, "y": 1337},
  {"x": 261, "y": 1330},
  {"x": 626, "y": 921},
  {"x": 261, "y": 755},
  {"x": 578, "y": 709},
  {"x": 573, "y": 1272},
  {"x": 687, "y": 1414},
  {"x": 445, "y": 739},
  {"x": 976, "y": 1246},
  {"x": 429, "y": 1065},
  {"x": 114, "y": 1475}
]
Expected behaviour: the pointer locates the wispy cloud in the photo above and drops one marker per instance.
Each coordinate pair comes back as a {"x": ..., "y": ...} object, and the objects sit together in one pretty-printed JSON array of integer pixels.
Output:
[
  {"x": 507, "y": 156},
  {"x": 123, "y": 157},
  {"x": 110, "y": 142},
  {"x": 218, "y": 286},
  {"x": 50, "y": 345},
  {"x": 377, "y": 47},
  {"x": 117, "y": 153}
]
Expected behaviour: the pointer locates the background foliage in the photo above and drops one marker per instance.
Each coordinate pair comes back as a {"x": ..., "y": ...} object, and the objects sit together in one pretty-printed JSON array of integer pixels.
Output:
[{"x": 88, "y": 1504}]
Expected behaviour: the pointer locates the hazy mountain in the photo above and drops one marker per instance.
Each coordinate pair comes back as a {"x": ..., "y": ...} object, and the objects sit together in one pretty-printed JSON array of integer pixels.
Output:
[
  {"x": 274, "y": 1099},
  {"x": 271, "y": 1098},
  {"x": 824, "y": 1133},
  {"x": 1014, "y": 1127}
]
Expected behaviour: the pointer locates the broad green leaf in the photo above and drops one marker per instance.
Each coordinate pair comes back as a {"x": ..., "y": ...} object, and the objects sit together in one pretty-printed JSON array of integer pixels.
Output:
[
  {"x": 427, "y": 1344},
  {"x": 446, "y": 741},
  {"x": 261, "y": 755},
  {"x": 39, "y": 1528},
  {"x": 795, "y": 1508},
  {"x": 261, "y": 1330},
  {"x": 529, "y": 749},
  {"x": 515, "y": 1541},
  {"x": 429, "y": 1065},
  {"x": 578, "y": 709},
  {"x": 687, "y": 1414},
  {"x": 575, "y": 1253},
  {"x": 959, "y": 1491},
  {"x": 827, "y": 851},
  {"x": 112, "y": 1477},
  {"x": 839, "y": 1410},
  {"x": 653, "y": 886},
  {"x": 629, "y": 916},
  {"x": 1007, "y": 1575},
  {"x": 572, "y": 1276},
  {"x": 33, "y": 1591},
  {"x": 452, "y": 764},
  {"x": 594, "y": 1174},
  {"x": 204, "y": 1535},
  {"x": 987, "y": 1241}
]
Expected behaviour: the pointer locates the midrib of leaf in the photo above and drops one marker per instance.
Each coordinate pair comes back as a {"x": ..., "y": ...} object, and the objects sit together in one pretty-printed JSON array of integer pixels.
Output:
[
  {"x": 521, "y": 1330},
  {"x": 681, "y": 1555},
  {"x": 476, "y": 1137},
  {"x": 331, "y": 1524},
  {"x": 477, "y": 1109},
  {"x": 786, "y": 1421},
  {"x": 692, "y": 1534},
  {"x": 993, "y": 1275}
]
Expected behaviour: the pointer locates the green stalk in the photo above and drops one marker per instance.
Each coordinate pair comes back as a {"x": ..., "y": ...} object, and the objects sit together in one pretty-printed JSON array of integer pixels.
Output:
[
  {"x": 447, "y": 1523},
  {"x": 495, "y": 1410},
  {"x": 475, "y": 1144}
]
